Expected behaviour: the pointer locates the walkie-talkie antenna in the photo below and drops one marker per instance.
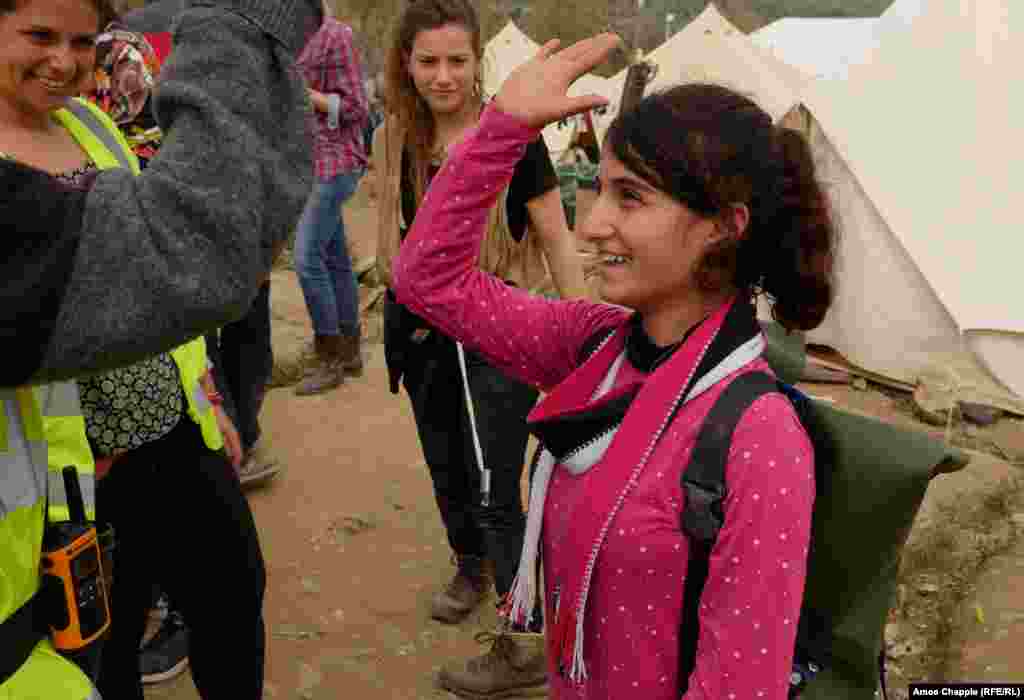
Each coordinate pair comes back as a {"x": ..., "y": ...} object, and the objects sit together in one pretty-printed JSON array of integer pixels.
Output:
[{"x": 73, "y": 493}]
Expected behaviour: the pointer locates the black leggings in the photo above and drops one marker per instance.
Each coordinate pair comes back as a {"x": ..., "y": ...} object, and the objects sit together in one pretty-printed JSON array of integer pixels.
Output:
[
  {"x": 181, "y": 520},
  {"x": 434, "y": 383},
  {"x": 243, "y": 362}
]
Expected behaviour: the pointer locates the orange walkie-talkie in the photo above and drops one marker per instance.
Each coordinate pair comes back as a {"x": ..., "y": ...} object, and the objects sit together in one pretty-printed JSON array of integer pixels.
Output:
[{"x": 72, "y": 570}]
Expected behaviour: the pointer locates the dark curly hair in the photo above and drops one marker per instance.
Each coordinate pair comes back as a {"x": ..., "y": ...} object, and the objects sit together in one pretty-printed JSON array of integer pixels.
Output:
[
  {"x": 710, "y": 147},
  {"x": 103, "y": 8}
]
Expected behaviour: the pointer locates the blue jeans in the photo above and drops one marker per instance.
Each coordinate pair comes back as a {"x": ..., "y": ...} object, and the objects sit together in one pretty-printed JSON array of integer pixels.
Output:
[{"x": 322, "y": 261}]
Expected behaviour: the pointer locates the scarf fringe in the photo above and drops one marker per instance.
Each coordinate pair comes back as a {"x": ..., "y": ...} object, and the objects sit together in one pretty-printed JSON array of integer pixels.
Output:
[
  {"x": 578, "y": 671},
  {"x": 523, "y": 593}
]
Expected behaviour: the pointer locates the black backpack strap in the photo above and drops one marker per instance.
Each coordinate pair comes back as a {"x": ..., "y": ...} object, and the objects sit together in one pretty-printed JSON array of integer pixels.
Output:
[{"x": 703, "y": 482}]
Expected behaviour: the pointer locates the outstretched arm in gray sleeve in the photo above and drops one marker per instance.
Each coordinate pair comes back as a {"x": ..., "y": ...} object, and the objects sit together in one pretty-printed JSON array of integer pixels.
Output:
[{"x": 162, "y": 257}]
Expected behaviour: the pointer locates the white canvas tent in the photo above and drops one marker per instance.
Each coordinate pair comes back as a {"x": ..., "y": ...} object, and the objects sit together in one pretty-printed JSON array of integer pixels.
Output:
[
  {"x": 922, "y": 151},
  {"x": 827, "y": 47},
  {"x": 558, "y": 137},
  {"x": 503, "y": 53},
  {"x": 508, "y": 49},
  {"x": 822, "y": 47},
  {"x": 711, "y": 49}
]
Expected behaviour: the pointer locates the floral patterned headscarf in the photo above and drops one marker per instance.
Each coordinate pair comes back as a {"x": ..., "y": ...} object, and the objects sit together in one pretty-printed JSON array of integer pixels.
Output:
[
  {"x": 126, "y": 72},
  {"x": 127, "y": 68}
]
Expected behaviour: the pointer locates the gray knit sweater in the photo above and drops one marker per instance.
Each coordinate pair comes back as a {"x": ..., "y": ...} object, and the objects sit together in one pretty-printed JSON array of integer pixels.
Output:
[{"x": 137, "y": 265}]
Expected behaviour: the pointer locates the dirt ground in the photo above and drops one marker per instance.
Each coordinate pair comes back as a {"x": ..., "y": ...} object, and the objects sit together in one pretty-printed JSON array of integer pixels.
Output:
[
  {"x": 354, "y": 546},
  {"x": 350, "y": 533}
]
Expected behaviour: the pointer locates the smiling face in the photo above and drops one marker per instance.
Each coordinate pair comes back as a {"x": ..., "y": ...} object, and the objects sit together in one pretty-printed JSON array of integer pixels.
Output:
[
  {"x": 443, "y": 68},
  {"x": 47, "y": 54},
  {"x": 654, "y": 240}
]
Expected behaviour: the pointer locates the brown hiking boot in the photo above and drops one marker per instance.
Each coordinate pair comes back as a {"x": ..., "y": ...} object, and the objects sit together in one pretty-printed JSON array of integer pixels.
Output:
[
  {"x": 351, "y": 353},
  {"x": 325, "y": 372},
  {"x": 463, "y": 593},
  {"x": 516, "y": 665}
]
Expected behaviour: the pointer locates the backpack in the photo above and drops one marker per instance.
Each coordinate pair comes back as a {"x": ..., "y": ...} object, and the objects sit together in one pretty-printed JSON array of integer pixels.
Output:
[{"x": 870, "y": 480}]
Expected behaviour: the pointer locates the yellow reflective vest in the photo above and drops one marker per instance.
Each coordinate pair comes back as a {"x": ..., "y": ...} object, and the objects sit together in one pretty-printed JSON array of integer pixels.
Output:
[
  {"x": 23, "y": 478},
  {"x": 67, "y": 445},
  {"x": 64, "y": 426},
  {"x": 192, "y": 365},
  {"x": 65, "y": 431},
  {"x": 35, "y": 422},
  {"x": 24, "y": 482}
]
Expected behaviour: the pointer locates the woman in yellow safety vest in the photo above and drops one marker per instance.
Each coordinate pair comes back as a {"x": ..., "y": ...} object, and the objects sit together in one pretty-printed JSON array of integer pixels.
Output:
[
  {"x": 30, "y": 668},
  {"x": 172, "y": 497}
]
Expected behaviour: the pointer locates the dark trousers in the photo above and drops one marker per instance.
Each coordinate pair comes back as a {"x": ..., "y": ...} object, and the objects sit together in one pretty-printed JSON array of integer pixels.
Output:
[
  {"x": 434, "y": 383},
  {"x": 180, "y": 519},
  {"x": 243, "y": 360}
]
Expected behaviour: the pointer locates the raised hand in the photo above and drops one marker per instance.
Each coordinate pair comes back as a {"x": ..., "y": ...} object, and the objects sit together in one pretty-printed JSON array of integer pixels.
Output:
[{"x": 535, "y": 91}]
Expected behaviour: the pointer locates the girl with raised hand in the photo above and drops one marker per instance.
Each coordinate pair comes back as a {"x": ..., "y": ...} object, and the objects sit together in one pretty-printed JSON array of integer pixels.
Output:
[{"x": 703, "y": 203}]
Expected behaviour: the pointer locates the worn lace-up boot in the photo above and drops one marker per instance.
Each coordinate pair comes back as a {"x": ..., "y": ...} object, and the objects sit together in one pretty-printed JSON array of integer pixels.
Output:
[
  {"x": 515, "y": 665},
  {"x": 325, "y": 372},
  {"x": 351, "y": 354},
  {"x": 463, "y": 593}
]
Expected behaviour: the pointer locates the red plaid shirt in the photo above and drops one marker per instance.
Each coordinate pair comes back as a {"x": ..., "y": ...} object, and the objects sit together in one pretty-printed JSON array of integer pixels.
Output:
[{"x": 330, "y": 64}]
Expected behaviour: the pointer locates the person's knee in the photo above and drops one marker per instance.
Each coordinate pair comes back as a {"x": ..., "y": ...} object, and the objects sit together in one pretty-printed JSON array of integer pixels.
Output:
[
  {"x": 501, "y": 517},
  {"x": 256, "y": 571},
  {"x": 302, "y": 260},
  {"x": 306, "y": 255},
  {"x": 238, "y": 594}
]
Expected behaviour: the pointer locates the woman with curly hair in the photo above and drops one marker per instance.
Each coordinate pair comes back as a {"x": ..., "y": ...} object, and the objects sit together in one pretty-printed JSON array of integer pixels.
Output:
[{"x": 703, "y": 203}]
